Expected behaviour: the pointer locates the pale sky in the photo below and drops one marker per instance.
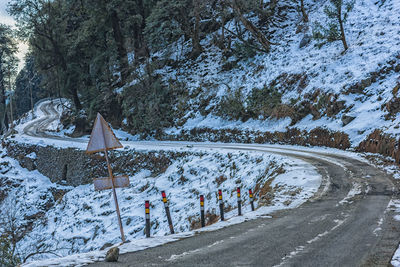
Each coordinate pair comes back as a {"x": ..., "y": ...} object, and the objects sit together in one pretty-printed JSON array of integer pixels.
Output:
[
  {"x": 4, "y": 17},
  {"x": 7, "y": 19}
]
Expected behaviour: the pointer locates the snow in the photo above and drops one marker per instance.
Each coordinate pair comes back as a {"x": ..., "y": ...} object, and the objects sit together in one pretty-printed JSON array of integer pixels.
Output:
[
  {"x": 372, "y": 32},
  {"x": 83, "y": 219},
  {"x": 394, "y": 204}
]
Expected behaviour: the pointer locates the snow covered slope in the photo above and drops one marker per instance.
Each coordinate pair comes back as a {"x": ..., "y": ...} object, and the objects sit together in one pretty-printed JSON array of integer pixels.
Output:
[
  {"x": 65, "y": 220},
  {"x": 357, "y": 84}
]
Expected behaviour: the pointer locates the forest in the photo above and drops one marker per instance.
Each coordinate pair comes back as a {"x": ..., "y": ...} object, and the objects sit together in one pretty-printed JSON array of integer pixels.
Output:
[{"x": 103, "y": 55}]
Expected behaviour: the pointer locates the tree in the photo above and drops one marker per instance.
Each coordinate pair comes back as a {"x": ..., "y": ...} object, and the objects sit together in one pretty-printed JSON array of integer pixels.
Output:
[
  {"x": 337, "y": 12},
  {"x": 27, "y": 87},
  {"x": 257, "y": 34},
  {"x": 41, "y": 22},
  {"x": 303, "y": 11},
  {"x": 7, "y": 259},
  {"x": 172, "y": 19},
  {"x": 14, "y": 227},
  {"x": 8, "y": 61}
]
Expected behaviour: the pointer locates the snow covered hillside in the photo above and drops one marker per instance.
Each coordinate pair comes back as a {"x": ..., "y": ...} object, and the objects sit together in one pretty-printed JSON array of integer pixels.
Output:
[
  {"x": 354, "y": 92},
  {"x": 61, "y": 220}
]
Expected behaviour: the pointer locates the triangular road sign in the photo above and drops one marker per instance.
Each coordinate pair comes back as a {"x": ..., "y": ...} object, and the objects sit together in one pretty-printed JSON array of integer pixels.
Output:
[{"x": 102, "y": 137}]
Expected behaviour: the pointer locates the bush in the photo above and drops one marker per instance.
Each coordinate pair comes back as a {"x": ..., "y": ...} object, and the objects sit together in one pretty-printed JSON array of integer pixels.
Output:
[
  {"x": 243, "y": 50},
  {"x": 231, "y": 106},
  {"x": 263, "y": 102},
  {"x": 150, "y": 105},
  {"x": 6, "y": 253}
]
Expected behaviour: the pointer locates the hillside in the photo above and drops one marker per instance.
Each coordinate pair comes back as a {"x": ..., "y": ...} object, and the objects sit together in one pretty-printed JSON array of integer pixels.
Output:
[
  {"x": 216, "y": 72},
  {"x": 354, "y": 92}
]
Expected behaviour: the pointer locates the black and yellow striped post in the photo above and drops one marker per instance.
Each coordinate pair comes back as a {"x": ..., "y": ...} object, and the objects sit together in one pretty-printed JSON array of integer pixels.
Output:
[
  {"x": 239, "y": 200},
  {"x": 251, "y": 199},
  {"x": 221, "y": 204},
  {"x": 203, "y": 221},
  {"x": 166, "y": 206},
  {"x": 147, "y": 211}
]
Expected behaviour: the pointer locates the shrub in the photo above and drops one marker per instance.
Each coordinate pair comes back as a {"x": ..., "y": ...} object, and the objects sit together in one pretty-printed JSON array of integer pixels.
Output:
[
  {"x": 243, "y": 50},
  {"x": 231, "y": 106},
  {"x": 262, "y": 102},
  {"x": 150, "y": 105}
]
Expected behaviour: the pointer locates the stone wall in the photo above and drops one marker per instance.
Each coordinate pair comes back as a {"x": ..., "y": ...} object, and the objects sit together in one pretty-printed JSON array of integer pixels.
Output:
[{"x": 73, "y": 167}]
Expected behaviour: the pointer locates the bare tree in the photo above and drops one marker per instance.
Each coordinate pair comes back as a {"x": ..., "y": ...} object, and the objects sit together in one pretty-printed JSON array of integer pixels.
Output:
[
  {"x": 303, "y": 11},
  {"x": 257, "y": 34}
]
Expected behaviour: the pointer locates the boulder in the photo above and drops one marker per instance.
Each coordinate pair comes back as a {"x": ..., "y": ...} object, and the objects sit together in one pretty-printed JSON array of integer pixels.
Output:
[
  {"x": 112, "y": 255},
  {"x": 305, "y": 41},
  {"x": 346, "y": 119}
]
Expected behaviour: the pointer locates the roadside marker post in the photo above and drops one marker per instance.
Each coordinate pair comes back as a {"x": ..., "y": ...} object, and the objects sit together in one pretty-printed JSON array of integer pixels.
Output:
[
  {"x": 103, "y": 139},
  {"x": 147, "y": 216},
  {"x": 221, "y": 204},
  {"x": 251, "y": 199},
  {"x": 203, "y": 223},
  {"x": 239, "y": 200},
  {"x": 166, "y": 206}
]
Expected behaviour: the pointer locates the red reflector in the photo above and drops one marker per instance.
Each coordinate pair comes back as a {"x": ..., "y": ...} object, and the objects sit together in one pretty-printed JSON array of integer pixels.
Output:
[{"x": 147, "y": 204}]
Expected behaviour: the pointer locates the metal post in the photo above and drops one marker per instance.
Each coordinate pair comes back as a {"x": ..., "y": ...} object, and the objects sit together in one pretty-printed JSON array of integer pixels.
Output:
[
  {"x": 115, "y": 196},
  {"x": 147, "y": 212},
  {"x": 203, "y": 222},
  {"x": 251, "y": 199},
  {"x": 221, "y": 204},
  {"x": 239, "y": 200},
  {"x": 166, "y": 205}
]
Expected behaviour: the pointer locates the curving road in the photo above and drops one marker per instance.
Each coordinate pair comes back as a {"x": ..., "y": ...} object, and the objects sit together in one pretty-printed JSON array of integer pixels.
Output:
[{"x": 347, "y": 223}]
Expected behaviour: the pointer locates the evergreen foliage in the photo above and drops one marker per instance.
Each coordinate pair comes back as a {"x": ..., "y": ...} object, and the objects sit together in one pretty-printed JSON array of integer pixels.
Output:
[
  {"x": 7, "y": 259},
  {"x": 93, "y": 52},
  {"x": 27, "y": 86},
  {"x": 149, "y": 105},
  {"x": 232, "y": 106},
  {"x": 262, "y": 102},
  {"x": 337, "y": 13},
  {"x": 8, "y": 65}
]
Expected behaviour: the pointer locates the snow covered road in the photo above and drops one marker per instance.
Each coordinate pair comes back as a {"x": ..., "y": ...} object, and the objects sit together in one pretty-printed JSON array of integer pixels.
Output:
[{"x": 346, "y": 223}]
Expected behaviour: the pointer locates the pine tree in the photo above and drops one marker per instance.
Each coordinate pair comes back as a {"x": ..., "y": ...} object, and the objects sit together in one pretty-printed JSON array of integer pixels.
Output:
[
  {"x": 173, "y": 19},
  {"x": 8, "y": 65}
]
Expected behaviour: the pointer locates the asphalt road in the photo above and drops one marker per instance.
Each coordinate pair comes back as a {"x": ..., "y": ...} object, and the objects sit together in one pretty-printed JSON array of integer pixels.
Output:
[{"x": 335, "y": 228}]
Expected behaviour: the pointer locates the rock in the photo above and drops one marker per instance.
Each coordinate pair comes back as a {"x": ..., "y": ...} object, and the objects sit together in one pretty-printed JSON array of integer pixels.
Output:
[
  {"x": 305, "y": 41},
  {"x": 112, "y": 255},
  {"x": 346, "y": 119}
]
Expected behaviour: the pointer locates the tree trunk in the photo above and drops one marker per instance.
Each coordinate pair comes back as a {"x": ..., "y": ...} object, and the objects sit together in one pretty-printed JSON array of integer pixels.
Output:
[
  {"x": 342, "y": 35},
  {"x": 251, "y": 28},
  {"x": 77, "y": 103},
  {"x": 122, "y": 55},
  {"x": 303, "y": 11},
  {"x": 139, "y": 43},
  {"x": 223, "y": 47},
  {"x": 196, "y": 49},
  {"x": 4, "y": 118}
]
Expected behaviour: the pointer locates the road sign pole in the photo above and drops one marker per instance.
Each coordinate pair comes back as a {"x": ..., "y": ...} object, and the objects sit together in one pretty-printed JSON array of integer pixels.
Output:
[
  {"x": 239, "y": 200},
  {"x": 203, "y": 222},
  {"x": 166, "y": 205},
  {"x": 251, "y": 199},
  {"x": 221, "y": 204},
  {"x": 115, "y": 196},
  {"x": 147, "y": 217}
]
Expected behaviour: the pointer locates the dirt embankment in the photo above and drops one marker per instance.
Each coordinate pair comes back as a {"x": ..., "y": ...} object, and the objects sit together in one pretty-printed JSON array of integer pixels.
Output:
[
  {"x": 293, "y": 136},
  {"x": 382, "y": 143}
]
